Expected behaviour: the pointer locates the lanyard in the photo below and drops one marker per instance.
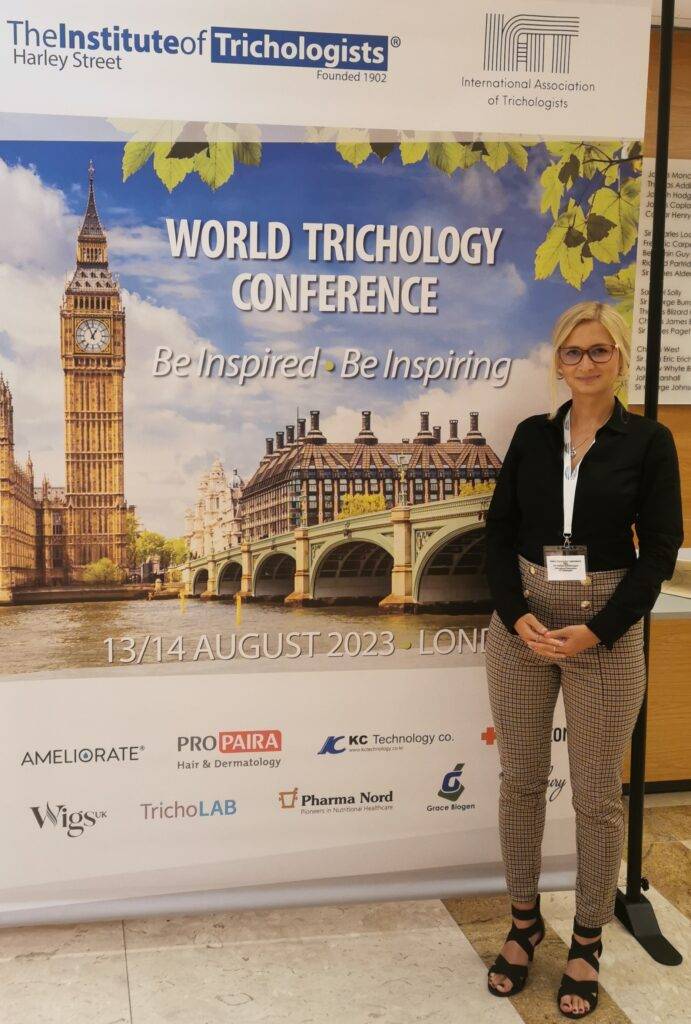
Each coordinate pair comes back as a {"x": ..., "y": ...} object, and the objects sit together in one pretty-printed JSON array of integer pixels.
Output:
[{"x": 570, "y": 478}]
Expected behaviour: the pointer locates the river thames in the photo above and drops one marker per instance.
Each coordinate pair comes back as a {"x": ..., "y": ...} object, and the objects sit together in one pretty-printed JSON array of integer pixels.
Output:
[{"x": 126, "y": 635}]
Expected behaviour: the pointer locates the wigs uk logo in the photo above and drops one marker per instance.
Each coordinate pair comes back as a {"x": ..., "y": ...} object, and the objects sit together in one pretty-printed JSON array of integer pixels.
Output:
[
  {"x": 72, "y": 823},
  {"x": 279, "y": 48}
]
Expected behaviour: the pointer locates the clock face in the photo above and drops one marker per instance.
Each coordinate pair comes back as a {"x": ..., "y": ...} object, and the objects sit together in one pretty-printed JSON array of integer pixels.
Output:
[{"x": 92, "y": 336}]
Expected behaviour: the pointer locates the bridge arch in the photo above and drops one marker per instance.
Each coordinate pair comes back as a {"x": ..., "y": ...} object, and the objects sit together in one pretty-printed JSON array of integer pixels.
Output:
[
  {"x": 200, "y": 582},
  {"x": 229, "y": 578},
  {"x": 452, "y": 569},
  {"x": 274, "y": 575},
  {"x": 352, "y": 569}
]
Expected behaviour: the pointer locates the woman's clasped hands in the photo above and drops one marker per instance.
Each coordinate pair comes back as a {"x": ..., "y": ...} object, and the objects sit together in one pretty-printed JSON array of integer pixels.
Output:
[{"x": 555, "y": 644}]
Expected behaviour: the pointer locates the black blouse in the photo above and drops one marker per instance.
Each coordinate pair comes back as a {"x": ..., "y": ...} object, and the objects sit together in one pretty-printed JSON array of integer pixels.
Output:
[{"x": 629, "y": 475}]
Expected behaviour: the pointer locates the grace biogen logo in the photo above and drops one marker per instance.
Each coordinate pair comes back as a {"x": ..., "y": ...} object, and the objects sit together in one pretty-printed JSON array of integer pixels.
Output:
[
  {"x": 529, "y": 42},
  {"x": 280, "y": 48}
]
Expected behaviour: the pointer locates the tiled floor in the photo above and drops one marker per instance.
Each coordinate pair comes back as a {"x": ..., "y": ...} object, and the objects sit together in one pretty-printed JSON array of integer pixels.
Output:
[{"x": 394, "y": 963}]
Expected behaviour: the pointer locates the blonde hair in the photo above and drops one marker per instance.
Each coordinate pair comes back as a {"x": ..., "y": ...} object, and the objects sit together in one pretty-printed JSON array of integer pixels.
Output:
[{"x": 583, "y": 312}]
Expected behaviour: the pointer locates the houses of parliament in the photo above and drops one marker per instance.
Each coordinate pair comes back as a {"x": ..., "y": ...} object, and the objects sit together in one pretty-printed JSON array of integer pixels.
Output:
[{"x": 48, "y": 534}]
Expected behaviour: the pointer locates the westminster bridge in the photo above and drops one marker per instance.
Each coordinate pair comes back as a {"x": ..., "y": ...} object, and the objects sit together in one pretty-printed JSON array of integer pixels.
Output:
[{"x": 401, "y": 558}]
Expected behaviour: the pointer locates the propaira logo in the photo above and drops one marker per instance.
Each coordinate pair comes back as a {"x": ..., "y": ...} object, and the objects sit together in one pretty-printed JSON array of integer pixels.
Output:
[
  {"x": 237, "y": 741},
  {"x": 278, "y": 48},
  {"x": 73, "y": 823}
]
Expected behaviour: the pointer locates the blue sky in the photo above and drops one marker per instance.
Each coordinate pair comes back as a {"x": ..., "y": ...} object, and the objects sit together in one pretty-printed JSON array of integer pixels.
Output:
[
  {"x": 311, "y": 182},
  {"x": 174, "y": 429}
]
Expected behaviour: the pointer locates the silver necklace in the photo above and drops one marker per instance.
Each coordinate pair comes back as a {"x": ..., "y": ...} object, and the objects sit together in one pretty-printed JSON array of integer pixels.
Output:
[{"x": 573, "y": 448}]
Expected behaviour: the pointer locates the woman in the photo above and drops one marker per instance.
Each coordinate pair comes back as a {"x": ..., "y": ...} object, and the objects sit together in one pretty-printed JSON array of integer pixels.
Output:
[{"x": 570, "y": 593}]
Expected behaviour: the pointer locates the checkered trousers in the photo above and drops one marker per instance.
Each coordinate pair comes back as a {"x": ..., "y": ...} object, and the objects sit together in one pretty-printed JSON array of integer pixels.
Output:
[{"x": 603, "y": 691}]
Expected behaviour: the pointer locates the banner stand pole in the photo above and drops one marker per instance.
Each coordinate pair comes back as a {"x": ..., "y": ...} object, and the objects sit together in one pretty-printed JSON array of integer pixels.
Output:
[{"x": 632, "y": 908}]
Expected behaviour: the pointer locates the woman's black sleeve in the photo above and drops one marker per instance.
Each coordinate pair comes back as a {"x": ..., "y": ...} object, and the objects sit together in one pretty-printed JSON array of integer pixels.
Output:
[
  {"x": 501, "y": 532},
  {"x": 660, "y": 531}
]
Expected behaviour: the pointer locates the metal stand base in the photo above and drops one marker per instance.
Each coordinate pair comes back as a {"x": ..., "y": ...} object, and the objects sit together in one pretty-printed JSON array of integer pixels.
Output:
[{"x": 638, "y": 917}]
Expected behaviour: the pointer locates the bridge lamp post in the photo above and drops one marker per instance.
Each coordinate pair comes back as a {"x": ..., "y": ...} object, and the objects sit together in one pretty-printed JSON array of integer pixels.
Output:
[{"x": 403, "y": 461}]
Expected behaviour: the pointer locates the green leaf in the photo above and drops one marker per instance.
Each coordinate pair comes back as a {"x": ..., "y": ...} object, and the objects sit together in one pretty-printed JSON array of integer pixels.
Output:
[
  {"x": 621, "y": 209},
  {"x": 573, "y": 237},
  {"x": 598, "y": 156},
  {"x": 135, "y": 155},
  {"x": 171, "y": 171},
  {"x": 248, "y": 153},
  {"x": 547, "y": 253},
  {"x": 622, "y": 286},
  {"x": 445, "y": 156},
  {"x": 552, "y": 190},
  {"x": 497, "y": 155},
  {"x": 186, "y": 150},
  {"x": 563, "y": 247},
  {"x": 574, "y": 266},
  {"x": 518, "y": 154},
  {"x": 382, "y": 149},
  {"x": 563, "y": 149},
  {"x": 569, "y": 169},
  {"x": 354, "y": 153},
  {"x": 215, "y": 164},
  {"x": 412, "y": 152},
  {"x": 602, "y": 238},
  {"x": 469, "y": 155}
]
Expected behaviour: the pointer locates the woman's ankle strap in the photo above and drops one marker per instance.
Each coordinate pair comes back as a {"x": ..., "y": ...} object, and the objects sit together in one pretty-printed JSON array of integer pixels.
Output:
[
  {"x": 585, "y": 932},
  {"x": 526, "y": 914}
]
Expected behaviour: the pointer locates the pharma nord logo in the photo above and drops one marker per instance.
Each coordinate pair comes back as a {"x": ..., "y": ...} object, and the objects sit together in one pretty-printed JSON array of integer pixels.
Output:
[{"x": 529, "y": 42}]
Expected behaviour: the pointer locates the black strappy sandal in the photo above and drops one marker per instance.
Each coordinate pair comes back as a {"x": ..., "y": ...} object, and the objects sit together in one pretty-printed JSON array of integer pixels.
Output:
[
  {"x": 518, "y": 973},
  {"x": 584, "y": 989}
]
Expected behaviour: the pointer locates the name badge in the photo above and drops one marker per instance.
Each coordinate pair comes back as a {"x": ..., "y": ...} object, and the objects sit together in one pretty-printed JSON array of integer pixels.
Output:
[{"x": 566, "y": 563}]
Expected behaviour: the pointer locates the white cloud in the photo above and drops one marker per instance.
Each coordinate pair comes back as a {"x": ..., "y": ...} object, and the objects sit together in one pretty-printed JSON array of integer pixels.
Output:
[
  {"x": 500, "y": 409},
  {"x": 271, "y": 322},
  {"x": 166, "y": 422},
  {"x": 175, "y": 427},
  {"x": 37, "y": 228}
]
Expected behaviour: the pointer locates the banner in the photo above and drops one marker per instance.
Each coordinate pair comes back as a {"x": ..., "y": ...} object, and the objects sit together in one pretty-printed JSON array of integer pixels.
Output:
[
  {"x": 268, "y": 331},
  {"x": 675, "y": 358}
]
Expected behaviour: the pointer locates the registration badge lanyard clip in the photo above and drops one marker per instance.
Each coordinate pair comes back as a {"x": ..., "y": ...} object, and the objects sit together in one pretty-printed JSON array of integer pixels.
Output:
[
  {"x": 569, "y": 560},
  {"x": 569, "y": 483}
]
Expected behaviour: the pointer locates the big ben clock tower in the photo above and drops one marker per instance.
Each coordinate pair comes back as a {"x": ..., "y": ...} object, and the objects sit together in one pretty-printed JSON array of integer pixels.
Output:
[{"x": 92, "y": 345}]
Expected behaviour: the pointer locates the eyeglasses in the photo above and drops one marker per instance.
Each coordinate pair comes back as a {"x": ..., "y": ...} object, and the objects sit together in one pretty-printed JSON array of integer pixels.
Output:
[{"x": 571, "y": 355}]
